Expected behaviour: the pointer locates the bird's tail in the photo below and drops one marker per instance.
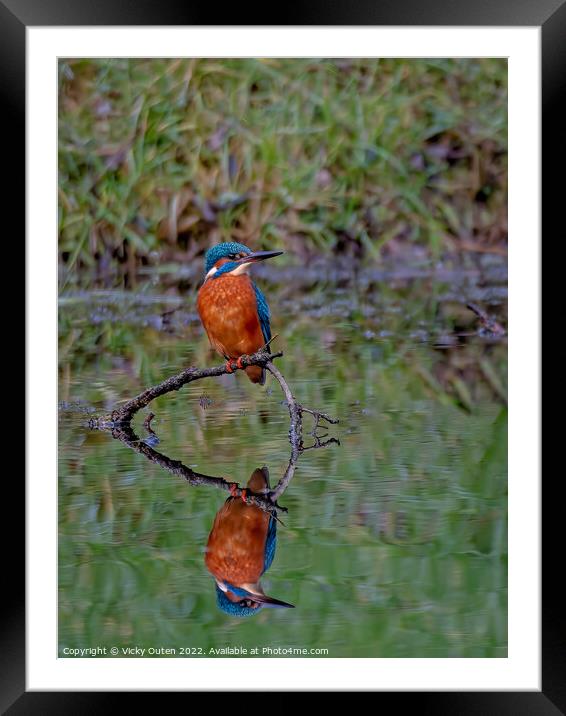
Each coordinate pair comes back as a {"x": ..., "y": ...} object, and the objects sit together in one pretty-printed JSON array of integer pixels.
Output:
[
  {"x": 256, "y": 374},
  {"x": 259, "y": 480}
]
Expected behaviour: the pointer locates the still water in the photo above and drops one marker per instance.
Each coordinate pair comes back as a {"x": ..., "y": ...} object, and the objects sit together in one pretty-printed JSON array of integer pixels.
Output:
[{"x": 395, "y": 539}]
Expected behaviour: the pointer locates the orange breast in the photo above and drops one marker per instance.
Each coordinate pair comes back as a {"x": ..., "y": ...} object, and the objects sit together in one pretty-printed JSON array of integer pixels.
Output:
[
  {"x": 236, "y": 544},
  {"x": 227, "y": 307}
]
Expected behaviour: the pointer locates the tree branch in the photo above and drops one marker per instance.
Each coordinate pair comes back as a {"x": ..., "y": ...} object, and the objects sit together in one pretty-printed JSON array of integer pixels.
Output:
[
  {"x": 126, "y": 412},
  {"x": 118, "y": 422}
]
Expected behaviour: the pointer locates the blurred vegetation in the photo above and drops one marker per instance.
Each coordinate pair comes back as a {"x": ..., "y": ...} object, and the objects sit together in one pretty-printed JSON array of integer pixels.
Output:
[{"x": 160, "y": 158}]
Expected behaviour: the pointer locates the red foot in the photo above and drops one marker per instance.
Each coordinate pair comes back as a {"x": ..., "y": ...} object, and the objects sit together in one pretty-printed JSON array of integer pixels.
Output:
[
  {"x": 239, "y": 363},
  {"x": 233, "y": 488},
  {"x": 229, "y": 368},
  {"x": 243, "y": 495}
]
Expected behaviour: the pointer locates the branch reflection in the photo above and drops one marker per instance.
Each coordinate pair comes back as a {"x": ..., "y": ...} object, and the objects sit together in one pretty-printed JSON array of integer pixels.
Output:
[{"x": 242, "y": 543}]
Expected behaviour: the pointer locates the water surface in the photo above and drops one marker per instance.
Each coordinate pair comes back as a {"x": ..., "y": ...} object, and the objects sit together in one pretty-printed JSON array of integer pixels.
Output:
[{"x": 395, "y": 541}]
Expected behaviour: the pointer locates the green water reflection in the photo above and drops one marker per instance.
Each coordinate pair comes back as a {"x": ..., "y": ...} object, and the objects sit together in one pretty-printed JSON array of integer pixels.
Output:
[{"x": 395, "y": 543}]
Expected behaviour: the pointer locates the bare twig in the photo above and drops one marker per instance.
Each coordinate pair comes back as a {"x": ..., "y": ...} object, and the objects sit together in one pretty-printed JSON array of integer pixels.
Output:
[
  {"x": 296, "y": 424},
  {"x": 296, "y": 411},
  {"x": 295, "y": 407},
  {"x": 118, "y": 422},
  {"x": 488, "y": 324},
  {"x": 318, "y": 417},
  {"x": 126, "y": 412},
  {"x": 320, "y": 442},
  {"x": 270, "y": 341},
  {"x": 147, "y": 422}
]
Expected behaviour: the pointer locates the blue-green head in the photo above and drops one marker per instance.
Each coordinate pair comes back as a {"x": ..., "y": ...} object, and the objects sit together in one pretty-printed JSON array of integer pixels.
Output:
[
  {"x": 247, "y": 604},
  {"x": 231, "y": 256}
]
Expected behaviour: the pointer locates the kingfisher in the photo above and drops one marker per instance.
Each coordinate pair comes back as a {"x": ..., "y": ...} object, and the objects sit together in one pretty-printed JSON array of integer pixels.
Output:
[
  {"x": 241, "y": 547},
  {"x": 232, "y": 309}
]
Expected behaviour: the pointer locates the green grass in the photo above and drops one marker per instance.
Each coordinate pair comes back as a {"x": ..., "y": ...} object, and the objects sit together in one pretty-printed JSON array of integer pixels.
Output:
[{"x": 158, "y": 159}]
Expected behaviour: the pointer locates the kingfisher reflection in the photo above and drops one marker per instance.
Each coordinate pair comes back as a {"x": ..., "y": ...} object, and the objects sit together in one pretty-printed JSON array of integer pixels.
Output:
[{"x": 241, "y": 547}]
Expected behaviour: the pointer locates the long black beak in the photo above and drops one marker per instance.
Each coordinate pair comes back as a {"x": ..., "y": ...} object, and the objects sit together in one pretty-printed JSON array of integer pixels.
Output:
[
  {"x": 266, "y": 601},
  {"x": 259, "y": 256}
]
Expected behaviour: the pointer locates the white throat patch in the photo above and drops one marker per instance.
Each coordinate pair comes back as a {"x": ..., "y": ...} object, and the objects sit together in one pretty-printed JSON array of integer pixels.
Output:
[
  {"x": 236, "y": 272},
  {"x": 240, "y": 269}
]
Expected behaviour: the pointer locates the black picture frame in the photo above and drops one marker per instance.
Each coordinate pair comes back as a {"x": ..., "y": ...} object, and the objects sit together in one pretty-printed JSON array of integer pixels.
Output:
[{"x": 550, "y": 15}]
